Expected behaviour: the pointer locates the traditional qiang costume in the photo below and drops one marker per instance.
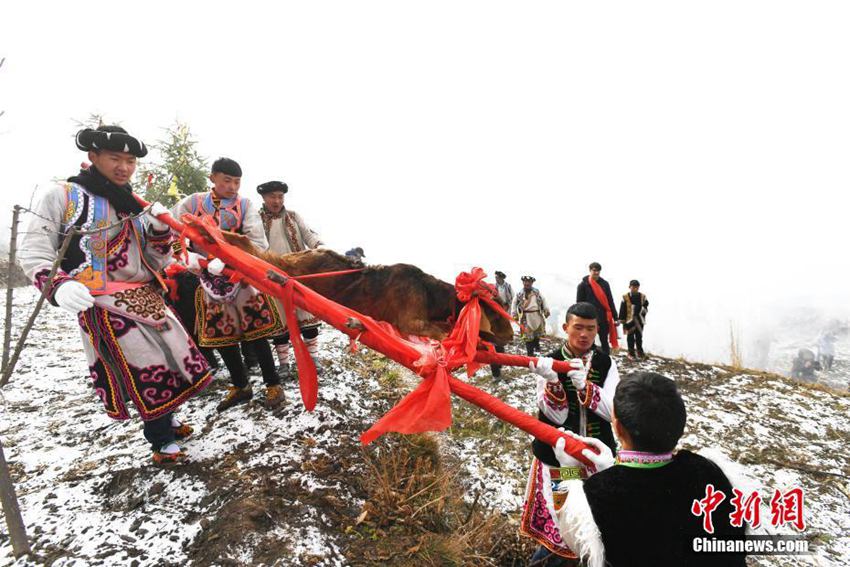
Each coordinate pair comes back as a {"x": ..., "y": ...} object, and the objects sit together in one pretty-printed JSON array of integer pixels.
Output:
[
  {"x": 530, "y": 310},
  {"x": 231, "y": 312},
  {"x": 287, "y": 232},
  {"x": 586, "y": 413},
  {"x": 137, "y": 349},
  {"x": 633, "y": 309}
]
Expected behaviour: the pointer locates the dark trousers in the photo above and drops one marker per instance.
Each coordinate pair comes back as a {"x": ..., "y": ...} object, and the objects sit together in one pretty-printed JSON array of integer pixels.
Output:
[
  {"x": 635, "y": 339},
  {"x": 545, "y": 558},
  {"x": 209, "y": 354},
  {"x": 232, "y": 357},
  {"x": 532, "y": 346},
  {"x": 158, "y": 432},
  {"x": 496, "y": 369},
  {"x": 603, "y": 337},
  {"x": 308, "y": 333},
  {"x": 249, "y": 354}
]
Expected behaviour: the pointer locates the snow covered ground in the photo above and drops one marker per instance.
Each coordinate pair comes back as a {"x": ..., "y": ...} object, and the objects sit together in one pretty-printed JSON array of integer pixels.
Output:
[
  {"x": 280, "y": 488},
  {"x": 90, "y": 495}
]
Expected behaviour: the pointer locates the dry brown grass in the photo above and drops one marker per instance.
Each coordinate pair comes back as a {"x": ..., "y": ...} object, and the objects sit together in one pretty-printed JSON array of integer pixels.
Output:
[
  {"x": 415, "y": 513},
  {"x": 736, "y": 353}
]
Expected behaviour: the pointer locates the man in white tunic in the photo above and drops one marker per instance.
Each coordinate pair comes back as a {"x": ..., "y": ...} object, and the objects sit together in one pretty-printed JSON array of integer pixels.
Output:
[
  {"x": 136, "y": 348},
  {"x": 530, "y": 311},
  {"x": 287, "y": 233}
]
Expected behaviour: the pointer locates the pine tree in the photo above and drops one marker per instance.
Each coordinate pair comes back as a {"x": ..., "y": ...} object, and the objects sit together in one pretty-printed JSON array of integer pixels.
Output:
[
  {"x": 93, "y": 121},
  {"x": 181, "y": 170}
]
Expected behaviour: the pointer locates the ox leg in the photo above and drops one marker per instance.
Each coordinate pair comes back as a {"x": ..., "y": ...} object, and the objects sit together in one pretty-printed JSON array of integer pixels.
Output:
[{"x": 496, "y": 369}]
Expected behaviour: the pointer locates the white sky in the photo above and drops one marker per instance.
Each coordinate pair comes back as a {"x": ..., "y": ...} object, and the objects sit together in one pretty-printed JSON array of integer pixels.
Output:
[{"x": 699, "y": 147}]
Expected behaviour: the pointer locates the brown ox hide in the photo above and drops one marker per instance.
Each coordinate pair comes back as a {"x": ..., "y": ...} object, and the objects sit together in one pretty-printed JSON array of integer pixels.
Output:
[{"x": 412, "y": 301}]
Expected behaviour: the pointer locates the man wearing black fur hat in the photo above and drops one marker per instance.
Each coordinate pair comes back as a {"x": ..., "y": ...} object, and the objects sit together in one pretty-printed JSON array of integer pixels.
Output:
[
  {"x": 229, "y": 313},
  {"x": 640, "y": 508},
  {"x": 633, "y": 310},
  {"x": 136, "y": 348},
  {"x": 287, "y": 232},
  {"x": 530, "y": 311}
]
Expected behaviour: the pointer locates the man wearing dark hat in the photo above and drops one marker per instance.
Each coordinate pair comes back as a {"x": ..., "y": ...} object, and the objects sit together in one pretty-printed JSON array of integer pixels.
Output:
[
  {"x": 596, "y": 291},
  {"x": 530, "y": 310},
  {"x": 287, "y": 232},
  {"x": 633, "y": 310},
  {"x": 356, "y": 254},
  {"x": 136, "y": 348},
  {"x": 229, "y": 313},
  {"x": 505, "y": 297},
  {"x": 504, "y": 292}
]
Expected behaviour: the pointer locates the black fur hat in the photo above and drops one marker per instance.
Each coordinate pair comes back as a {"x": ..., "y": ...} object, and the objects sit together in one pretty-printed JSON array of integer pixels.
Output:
[
  {"x": 110, "y": 138},
  {"x": 271, "y": 187}
]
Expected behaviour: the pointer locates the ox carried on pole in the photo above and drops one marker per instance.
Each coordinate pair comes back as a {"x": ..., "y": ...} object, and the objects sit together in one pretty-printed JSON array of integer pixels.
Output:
[{"x": 428, "y": 407}]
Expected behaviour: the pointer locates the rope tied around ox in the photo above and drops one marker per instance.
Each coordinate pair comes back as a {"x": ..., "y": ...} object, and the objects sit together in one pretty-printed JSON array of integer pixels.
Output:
[{"x": 427, "y": 407}]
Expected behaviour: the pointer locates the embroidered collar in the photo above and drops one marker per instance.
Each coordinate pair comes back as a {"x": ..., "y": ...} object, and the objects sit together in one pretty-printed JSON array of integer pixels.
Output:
[
  {"x": 268, "y": 214},
  {"x": 568, "y": 354},
  {"x": 642, "y": 460}
]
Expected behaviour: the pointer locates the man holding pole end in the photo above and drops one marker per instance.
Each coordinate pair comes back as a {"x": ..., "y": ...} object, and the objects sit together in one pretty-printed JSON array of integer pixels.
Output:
[
  {"x": 136, "y": 348},
  {"x": 579, "y": 401}
]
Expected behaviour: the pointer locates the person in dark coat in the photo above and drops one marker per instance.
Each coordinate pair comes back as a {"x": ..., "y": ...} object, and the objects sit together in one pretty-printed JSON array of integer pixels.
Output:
[
  {"x": 604, "y": 305},
  {"x": 633, "y": 310},
  {"x": 505, "y": 297}
]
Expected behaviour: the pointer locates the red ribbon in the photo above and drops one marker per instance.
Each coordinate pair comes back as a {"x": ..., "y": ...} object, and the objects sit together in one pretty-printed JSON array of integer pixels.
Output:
[
  {"x": 603, "y": 301},
  {"x": 428, "y": 407}
]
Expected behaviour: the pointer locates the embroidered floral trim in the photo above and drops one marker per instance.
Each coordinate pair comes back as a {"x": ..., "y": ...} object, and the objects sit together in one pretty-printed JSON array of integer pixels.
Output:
[
  {"x": 556, "y": 396},
  {"x": 219, "y": 288},
  {"x": 141, "y": 301},
  {"x": 292, "y": 233}
]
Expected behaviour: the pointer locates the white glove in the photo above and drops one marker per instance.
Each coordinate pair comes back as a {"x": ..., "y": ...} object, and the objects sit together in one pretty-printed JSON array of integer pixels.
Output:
[
  {"x": 193, "y": 261},
  {"x": 564, "y": 459},
  {"x": 73, "y": 296},
  {"x": 156, "y": 210},
  {"x": 215, "y": 267},
  {"x": 578, "y": 376},
  {"x": 544, "y": 368},
  {"x": 602, "y": 460}
]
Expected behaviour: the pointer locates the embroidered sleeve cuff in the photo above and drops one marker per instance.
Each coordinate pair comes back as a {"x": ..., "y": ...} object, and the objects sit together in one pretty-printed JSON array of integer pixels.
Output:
[
  {"x": 591, "y": 396},
  {"x": 40, "y": 281},
  {"x": 555, "y": 396}
]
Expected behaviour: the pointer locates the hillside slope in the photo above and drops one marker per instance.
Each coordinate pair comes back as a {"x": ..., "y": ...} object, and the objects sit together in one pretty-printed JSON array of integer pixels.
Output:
[{"x": 296, "y": 488}]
